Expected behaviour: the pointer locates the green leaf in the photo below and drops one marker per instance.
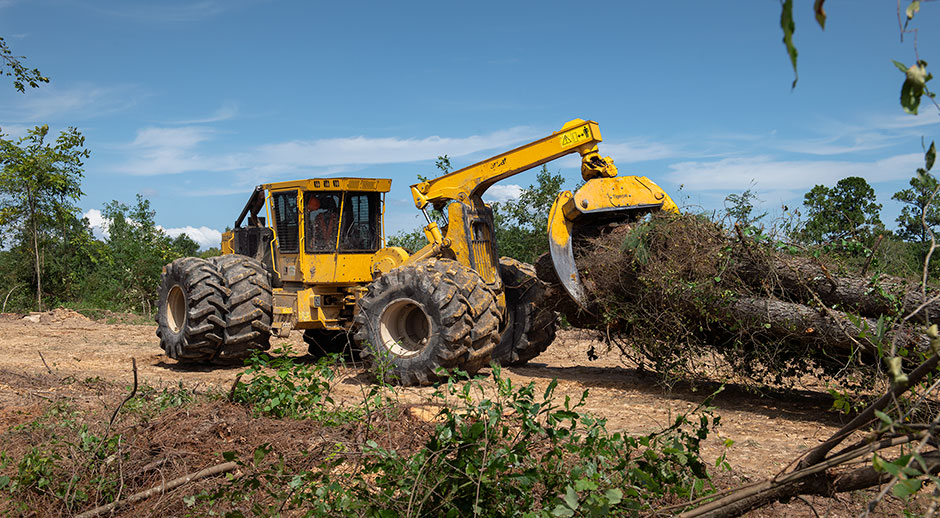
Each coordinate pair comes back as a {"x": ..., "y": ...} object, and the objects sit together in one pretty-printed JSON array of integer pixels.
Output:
[
  {"x": 584, "y": 485},
  {"x": 885, "y": 418},
  {"x": 931, "y": 156},
  {"x": 571, "y": 498},
  {"x": 905, "y": 488},
  {"x": 562, "y": 511},
  {"x": 260, "y": 453},
  {"x": 820, "y": 13},
  {"x": 914, "y": 86},
  {"x": 228, "y": 455},
  {"x": 789, "y": 26},
  {"x": 614, "y": 496}
]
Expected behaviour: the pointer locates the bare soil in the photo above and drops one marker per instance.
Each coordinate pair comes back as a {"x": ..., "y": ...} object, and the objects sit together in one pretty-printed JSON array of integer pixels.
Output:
[{"x": 768, "y": 430}]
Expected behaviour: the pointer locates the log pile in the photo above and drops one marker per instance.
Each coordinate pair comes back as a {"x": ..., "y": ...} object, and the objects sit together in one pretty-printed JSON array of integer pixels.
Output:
[{"x": 675, "y": 287}]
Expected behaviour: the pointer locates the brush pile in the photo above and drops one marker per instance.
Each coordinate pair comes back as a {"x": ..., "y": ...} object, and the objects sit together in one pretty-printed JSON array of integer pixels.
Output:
[{"x": 671, "y": 290}]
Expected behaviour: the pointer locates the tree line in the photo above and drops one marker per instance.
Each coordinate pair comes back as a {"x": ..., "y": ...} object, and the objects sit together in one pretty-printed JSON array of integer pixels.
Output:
[{"x": 49, "y": 252}]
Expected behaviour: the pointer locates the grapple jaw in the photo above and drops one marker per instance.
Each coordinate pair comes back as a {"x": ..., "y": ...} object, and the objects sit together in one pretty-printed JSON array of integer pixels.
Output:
[{"x": 597, "y": 204}]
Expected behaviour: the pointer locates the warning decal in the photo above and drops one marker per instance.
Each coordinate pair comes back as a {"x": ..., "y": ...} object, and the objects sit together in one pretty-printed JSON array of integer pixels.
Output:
[{"x": 575, "y": 137}]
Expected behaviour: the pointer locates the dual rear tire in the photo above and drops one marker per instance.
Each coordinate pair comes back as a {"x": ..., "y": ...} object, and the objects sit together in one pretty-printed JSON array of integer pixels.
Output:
[{"x": 217, "y": 310}]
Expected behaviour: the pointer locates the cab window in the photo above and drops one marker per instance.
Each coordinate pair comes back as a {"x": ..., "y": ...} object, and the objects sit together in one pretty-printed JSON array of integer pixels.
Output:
[
  {"x": 361, "y": 222},
  {"x": 286, "y": 224},
  {"x": 321, "y": 221}
]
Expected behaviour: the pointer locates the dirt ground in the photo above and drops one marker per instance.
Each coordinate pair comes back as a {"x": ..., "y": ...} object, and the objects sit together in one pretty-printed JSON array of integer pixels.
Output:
[{"x": 768, "y": 432}]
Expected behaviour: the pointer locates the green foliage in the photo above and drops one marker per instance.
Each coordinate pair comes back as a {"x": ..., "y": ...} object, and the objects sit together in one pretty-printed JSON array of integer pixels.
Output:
[
  {"x": 497, "y": 450},
  {"x": 410, "y": 241},
  {"x": 71, "y": 468},
  {"x": 848, "y": 210},
  {"x": 788, "y": 26},
  {"x": 917, "y": 205},
  {"x": 39, "y": 185},
  {"x": 281, "y": 387},
  {"x": 914, "y": 85},
  {"x": 12, "y": 66},
  {"x": 920, "y": 217},
  {"x": 137, "y": 249},
  {"x": 150, "y": 402},
  {"x": 522, "y": 223},
  {"x": 739, "y": 209},
  {"x": 209, "y": 252}
]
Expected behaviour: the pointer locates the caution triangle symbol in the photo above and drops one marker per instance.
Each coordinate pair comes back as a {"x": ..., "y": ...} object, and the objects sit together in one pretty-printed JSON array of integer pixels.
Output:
[{"x": 565, "y": 140}]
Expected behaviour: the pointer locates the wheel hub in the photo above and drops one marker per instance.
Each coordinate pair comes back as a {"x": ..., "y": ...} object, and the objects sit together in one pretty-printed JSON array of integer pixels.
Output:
[
  {"x": 404, "y": 328},
  {"x": 175, "y": 309}
]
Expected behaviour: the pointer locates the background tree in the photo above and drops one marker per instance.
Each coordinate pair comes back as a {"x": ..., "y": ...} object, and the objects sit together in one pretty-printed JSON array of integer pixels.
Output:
[
  {"x": 920, "y": 214},
  {"x": 522, "y": 224},
  {"x": 848, "y": 210},
  {"x": 739, "y": 208},
  {"x": 138, "y": 249},
  {"x": 39, "y": 185},
  {"x": 12, "y": 66}
]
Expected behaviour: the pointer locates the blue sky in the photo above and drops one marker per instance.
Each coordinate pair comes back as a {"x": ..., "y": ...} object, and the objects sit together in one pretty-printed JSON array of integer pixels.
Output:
[{"x": 192, "y": 103}]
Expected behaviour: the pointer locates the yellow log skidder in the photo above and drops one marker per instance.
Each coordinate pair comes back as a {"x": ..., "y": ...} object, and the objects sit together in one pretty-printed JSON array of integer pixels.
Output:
[{"x": 318, "y": 262}]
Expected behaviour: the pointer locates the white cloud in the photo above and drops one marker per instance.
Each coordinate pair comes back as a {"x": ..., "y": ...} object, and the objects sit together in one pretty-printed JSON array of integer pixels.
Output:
[
  {"x": 896, "y": 121},
  {"x": 637, "y": 150},
  {"x": 97, "y": 222},
  {"x": 840, "y": 145},
  {"x": 730, "y": 174},
  {"x": 627, "y": 151},
  {"x": 172, "y": 151},
  {"x": 95, "y": 218},
  {"x": 205, "y": 236},
  {"x": 503, "y": 192},
  {"x": 15, "y": 130},
  {"x": 159, "y": 151},
  {"x": 79, "y": 101},
  {"x": 366, "y": 150},
  {"x": 225, "y": 112}
]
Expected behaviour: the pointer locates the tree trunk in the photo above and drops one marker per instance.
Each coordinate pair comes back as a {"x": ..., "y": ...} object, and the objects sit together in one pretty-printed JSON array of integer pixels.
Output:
[
  {"x": 32, "y": 216},
  {"x": 798, "y": 279}
]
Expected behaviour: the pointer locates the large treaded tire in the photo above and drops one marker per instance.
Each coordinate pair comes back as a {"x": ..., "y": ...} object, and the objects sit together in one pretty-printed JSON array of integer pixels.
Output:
[
  {"x": 249, "y": 305},
  {"x": 191, "y": 310},
  {"x": 529, "y": 325},
  {"x": 419, "y": 318}
]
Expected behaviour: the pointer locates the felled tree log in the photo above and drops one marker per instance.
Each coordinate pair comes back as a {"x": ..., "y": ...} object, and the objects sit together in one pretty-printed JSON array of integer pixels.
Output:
[
  {"x": 799, "y": 279},
  {"x": 826, "y": 329}
]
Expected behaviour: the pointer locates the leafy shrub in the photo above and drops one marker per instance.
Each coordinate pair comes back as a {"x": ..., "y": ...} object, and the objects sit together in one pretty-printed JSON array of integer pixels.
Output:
[
  {"x": 281, "y": 387},
  {"x": 67, "y": 471},
  {"x": 508, "y": 453}
]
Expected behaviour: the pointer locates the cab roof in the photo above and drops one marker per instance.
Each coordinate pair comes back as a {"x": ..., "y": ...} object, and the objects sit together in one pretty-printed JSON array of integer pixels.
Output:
[{"x": 333, "y": 184}]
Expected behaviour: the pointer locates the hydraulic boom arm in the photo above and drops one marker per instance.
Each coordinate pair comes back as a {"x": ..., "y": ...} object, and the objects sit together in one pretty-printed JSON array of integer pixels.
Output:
[{"x": 577, "y": 136}]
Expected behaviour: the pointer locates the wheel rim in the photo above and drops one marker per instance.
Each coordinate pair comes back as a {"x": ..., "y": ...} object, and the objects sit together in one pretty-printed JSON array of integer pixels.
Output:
[
  {"x": 404, "y": 328},
  {"x": 175, "y": 309}
]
